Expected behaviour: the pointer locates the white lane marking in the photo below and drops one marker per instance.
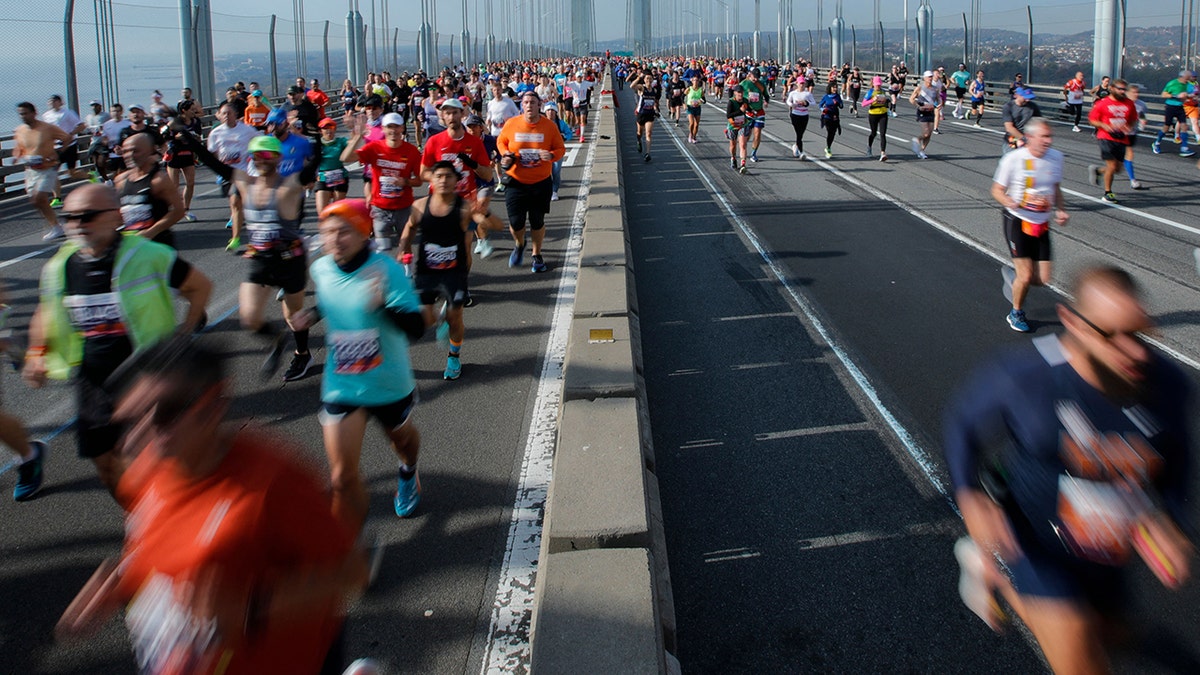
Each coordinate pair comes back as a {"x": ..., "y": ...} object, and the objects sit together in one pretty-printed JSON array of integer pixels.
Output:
[
  {"x": 702, "y": 443},
  {"x": 813, "y": 431},
  {"x": 652, "y": 237},
  {"x": 653, "y": 259},
  {"x": 730, "y": 554},
  {"x": 686, "y": 371},
  {"x": 660, "y": 192},
  {"x": 572, "y": 153},
  {"x": 674, "y": 323},
  {"x": 706, "y": 234},
  {"x": 755, "y": 366},
  {"x": 27, "y": 256},
  {"x": 944, "y": 527},
  {"x": 744, "y": 317},
  {"x": 915, "y": 451},
  {"x": 512, "y": 612}
]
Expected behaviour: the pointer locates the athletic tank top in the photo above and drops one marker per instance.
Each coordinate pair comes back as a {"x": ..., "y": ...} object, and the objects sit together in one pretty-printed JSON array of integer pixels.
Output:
[
  {"x": 140, "y": 209},
  {"x": 645, "y": 104},
  {"x": 440, "y": 246},
  {"x": 269, "y": 232}
]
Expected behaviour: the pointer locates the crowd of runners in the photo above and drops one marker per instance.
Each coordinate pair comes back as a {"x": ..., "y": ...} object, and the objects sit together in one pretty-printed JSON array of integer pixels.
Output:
[{"x": 376, "y": 199}]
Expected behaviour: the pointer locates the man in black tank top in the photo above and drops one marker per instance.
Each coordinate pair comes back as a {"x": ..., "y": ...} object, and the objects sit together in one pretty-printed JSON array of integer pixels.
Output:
[
  {"x": 438, "y": 224},
  {"x": 150, "y": 201}
]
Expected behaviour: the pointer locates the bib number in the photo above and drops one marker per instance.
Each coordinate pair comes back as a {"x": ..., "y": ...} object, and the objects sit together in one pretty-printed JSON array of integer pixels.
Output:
[
  {"x": 356, "y": 352},
  {"x": 440, "y": 258},
  {"x": 333, "y": 177},
  {"x": 263, "y": 237},
  {"x": 389, "y": 187}
]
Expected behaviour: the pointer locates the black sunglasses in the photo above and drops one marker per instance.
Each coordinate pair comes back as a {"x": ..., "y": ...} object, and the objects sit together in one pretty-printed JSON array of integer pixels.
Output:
[
  {"x": 1106, "y": 334},
  {"x": 85, "y": 216}
]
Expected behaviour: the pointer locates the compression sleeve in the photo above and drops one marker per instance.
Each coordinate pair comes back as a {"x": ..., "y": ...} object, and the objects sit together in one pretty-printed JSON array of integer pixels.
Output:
[
  {"x": 412, "y": 323},
  {"x": 308, "y": 173}
]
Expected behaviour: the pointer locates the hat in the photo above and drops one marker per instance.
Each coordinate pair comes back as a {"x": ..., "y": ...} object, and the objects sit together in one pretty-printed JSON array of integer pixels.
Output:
[
  {"x": 928, "y": 73},
  {"x": 472, "y": 120},
  {"x": 95, "y": 102},
  {"x": 277, "y": 116},
  {"x": 353, "y": 211},
  {"x": 327, "y": 123},
  {"x": 451, "y": 103},
  {"x": 156, "y": 95},
  {"x": 56, "y": 97},
  {"x": 1025, "y": 93},
  {"x": 257, "y": 92},
  {"x": 876, "y": 81},
  {"x": 136, "y": 106},
  {"x": 371, "y": 101},
  {"x": 295, "y": 90},
  {"x": 392, "y": 119},
  {"x": 550, "y": 105},
  {"x": 265, "y": 143}
]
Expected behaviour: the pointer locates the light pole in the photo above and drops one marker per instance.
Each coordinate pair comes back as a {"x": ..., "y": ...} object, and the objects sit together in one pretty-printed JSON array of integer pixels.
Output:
[{"x": 729, "y": 43}]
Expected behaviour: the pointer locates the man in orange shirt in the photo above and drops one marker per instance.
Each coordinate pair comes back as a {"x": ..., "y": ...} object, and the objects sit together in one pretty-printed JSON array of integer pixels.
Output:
[
  {"x": 317, "y": 97},
  {"x": 232, "y": 560},
  {"x": 257, "y": 111},
  {"x": 529, "y": 144}
]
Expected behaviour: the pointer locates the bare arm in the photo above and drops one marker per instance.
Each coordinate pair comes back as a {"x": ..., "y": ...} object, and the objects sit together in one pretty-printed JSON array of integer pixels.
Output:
[{"x": 163, "y": 188}]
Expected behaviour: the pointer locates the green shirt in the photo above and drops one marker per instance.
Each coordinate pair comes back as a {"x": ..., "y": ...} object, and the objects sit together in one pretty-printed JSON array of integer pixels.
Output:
[
  {"x": 331, "y": 154},
  {"x": 961, "y": 78},
  {"x": 756, "y": 94},
  {"x": 694, "y": 97},
  {"x": 1173, "y": 89}
]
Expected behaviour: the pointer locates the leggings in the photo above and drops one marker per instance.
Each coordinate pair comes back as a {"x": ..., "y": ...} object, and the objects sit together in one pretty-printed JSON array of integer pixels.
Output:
[
  {"x": 878, "y": 127},
  {"x": 1077, "y": 109},
  {"x": 832, "y": 127},
  {"x": 800, "y": 123}
]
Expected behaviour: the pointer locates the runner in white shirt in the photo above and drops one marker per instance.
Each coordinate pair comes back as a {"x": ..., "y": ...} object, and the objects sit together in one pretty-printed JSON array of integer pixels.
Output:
[
  {"x": 500, "y": 108},
  {"x": 111, "y": 132},
  {"x": 799, "y": 101},
  {"x": 68, "y": 153},
  {"x": 230, "y": 142},
  {"x": 580, "y": 91}
]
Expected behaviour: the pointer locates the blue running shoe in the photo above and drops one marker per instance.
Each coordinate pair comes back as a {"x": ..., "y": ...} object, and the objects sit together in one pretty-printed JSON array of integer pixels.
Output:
[
  {"x": 516, "y": 257},
  {"x": 408, "y": 495},
  {"x": 29, "y": 474},
  {"x": 453, "y": 368},
  {"x": 539, "y": 265},
  {"x": 1016, "y": 321}
]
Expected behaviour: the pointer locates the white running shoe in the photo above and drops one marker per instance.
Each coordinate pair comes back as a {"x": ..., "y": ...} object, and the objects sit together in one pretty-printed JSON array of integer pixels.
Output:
[
  {"x": 803, "y": 155},
  {"x": 484, "y": 248},
  {"x": 1076, "y": 129},
  {"x": 553, "y": 196},
  {"x": 795, "y": 150},
  {"x": 916, "y": 146}
]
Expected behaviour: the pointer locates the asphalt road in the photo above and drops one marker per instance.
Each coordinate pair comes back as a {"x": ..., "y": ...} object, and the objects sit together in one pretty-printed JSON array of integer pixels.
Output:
[
  {"x": 431, "y": 608},
  {"x": 803, "y": 328}
]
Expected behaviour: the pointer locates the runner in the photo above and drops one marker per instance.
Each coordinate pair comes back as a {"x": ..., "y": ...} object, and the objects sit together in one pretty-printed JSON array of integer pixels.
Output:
[
  {"x": 926, "y": 98},
  {"x": 483, "y": 196},
  {"x": 1073, "y": 91},
  {"x": 961, "y": 78},
  {"x": 1067, "y": 457},
  {"x": 111, "y": 133},
  {"x": 102, "y": 296},
  {"x": 1016, "y": 115},
  {"x": 878, "y": 104},
  {"x": 737, "y": 130},
  {"x": 1176, "y": 92},
  {"x": 941, "y": 83},
  {"x": 854, "y": 87},
  {"x": 675, "y": 91},
  {"x": 581, "y": 92},
  {"x": 180, "y": 161},
  {"x": 372, "y": 317},
  {"x": 756, "y": 109},
  {"x": 550, "y": 110},
  {"x": 395, "y": 170},
  {"x": 895, "y": 87},
  {"x": 1027, "y": 184},
  {"x": 1102, "y": 90},
  {"x": 831, "y": 117},
  {"x": 1133, "y": 94},
  {"x": 150, "y": 202},
  {"x": 68, "y": 151},
  {"x": 232, "y": 561},
  {"x": 471, "y": 159},
  {"x": 34, "y": 143},
  {"x": 257, "y": 111},
  {"x": 333, "y": 178},
  {"x": 695, "y": 100},
  {"x": 1115, "y": 119},
  {"x": 800, "y": 102},
  {"x": 31, "y": 454},
  {"x": 645, "y": 110},
  {"x": 229, "y": 141},
  {"x": 978, "y": 97},
  {"x": 439, "y": 226},
  {"x": 528, "y": 145}
]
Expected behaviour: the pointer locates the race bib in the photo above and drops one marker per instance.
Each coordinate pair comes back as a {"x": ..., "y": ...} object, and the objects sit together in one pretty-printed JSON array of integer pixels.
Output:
[
  {"x": 440, "y": 258},
  {"x": 389, "y": 187},
  {"x": 167, "y": 637},
  {"x": 753, "y": 97},
  {"x": 137, "y": 216},
  {"x": 33, "y": 161},
  {"x": 332, "y": 177},
  {"x": 96, "y": 315},
  {"x": 355, "y": 351},
  {"x": 1097, "y": 519},
  {"x": 530, "y": 157},
  {"x": 263, "y": 236}
]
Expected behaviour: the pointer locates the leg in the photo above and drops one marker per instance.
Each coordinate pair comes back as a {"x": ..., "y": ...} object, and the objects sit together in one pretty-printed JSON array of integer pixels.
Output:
[
  {"x": 537, "y": 227},
  {"x": 343, "y": 436},
  {"x": 14, "y": 435},
  {"x": 1110, "y": 170},
  {"x": 252, "y": 305},
  {"x": 1067, "y": 632},
  {"x": 322, "y": 200},
  {"x": 883, "y": 125},
  {"x": 1025, "y": 277},
  {"x": 189, "y": 174},
  {"x": 647, "y": 131},
  {"x": 41, "y": 202},
  {"x": 235, "y": 213},
  {"x": 873, "y": 122}
]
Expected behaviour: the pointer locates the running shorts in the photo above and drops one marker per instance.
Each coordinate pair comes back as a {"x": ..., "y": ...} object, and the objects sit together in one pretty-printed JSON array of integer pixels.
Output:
[
  {"x": 581, "y": 109},
  {"x": 925, "y": 117},
  {"x": 390, "y": 415},
  {"x": 40, "y": 180},
  {"x": 1172, "y": 114},
  {"x": 960, "y": 92},
  {"x": 1021, "y": 245},
  {"x": 69, "y": 155},
  {"x": 290, "y": 274},
  {"x": 1112, "y": 150},
  {"x": 334, "y": 180},
  {"x": 733, "y": 132},
  {"x": 95, "y": 432},
  {"x": 451, "y": 285},
  {"x": 525, "y": 198},
  {"x": 181, "y": 161},
  {"x": 674, "y": 102},
  {"x": 645, "y": 118},
  {"x": 757, "y": 123},
  {"x": 694, "y": 112}
]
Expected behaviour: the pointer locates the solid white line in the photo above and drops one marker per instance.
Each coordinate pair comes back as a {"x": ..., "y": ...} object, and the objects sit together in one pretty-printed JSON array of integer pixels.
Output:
[
  {"x": 754, "y": 366},
  {"x": 508, "y": 635},
  {"x": 701, "y": 443},
  {"x": 915, "y": 451},
  {"x": 733, "y": 556},
  {"x": 686, "y": 371},
  {"x": 27, "y": 256},
  {"x": 772, "y": 315},
  {"x": 706, "y": 234},
  {"x": 949, "y": 526},
  {"x": 813, "y": 431}
]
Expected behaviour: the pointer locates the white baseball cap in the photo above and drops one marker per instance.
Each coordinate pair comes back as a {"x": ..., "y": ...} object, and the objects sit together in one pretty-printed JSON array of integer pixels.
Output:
[{"x": 391, "y": 119}]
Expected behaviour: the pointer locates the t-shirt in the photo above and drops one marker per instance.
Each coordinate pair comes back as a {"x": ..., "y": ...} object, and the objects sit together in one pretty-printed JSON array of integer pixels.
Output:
[
  {"x": 499, "y": 110},
  {"x": 389, "y": 168},
  {"x": 256, "y": 114},
  {"x": 1019, "y": 115},
  {"x": 112, "y": 131},
  {"x": 580, "y": 91},
  {"x": 442, "y": 147},
  {"x": 1122, "y": 115},
  {"x": 526, "y": 140},
  {"x": 1075, "y": 89},
  {"x": 258, "y": 516},
  {"x": 1172, "y": 90},
  {"x": 694, "y": 97},
  {"x": 64, "y": 118},
  {"x": 756, "y": 94},
  {"x": 232, "y": 146},
  {"x": 367, "y": 362},
  {"x": 1031, "y": 182},
  {"x": 800, "y": 102},
  {"x": 961, "y": 78}
]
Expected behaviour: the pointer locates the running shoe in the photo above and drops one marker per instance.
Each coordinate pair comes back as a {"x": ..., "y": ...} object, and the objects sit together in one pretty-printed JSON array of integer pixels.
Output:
[
  {"x": 1156, "y": 147},
  {"x": 190, "y": 217},
  {"x": 1009, "y": 275},
  {"x": 883, "y": 156},
  {"x": 647, "y": 157},
  {"x": 742, "y": 169},
  {"x": 484, "y": 248},
  {"x": 539, "y": 265},
  {"x": 1076, "y": 129},
  {"x": 938, "y": 132},
  {"x": 972, "y": 588},
  {"x": 916, "y": 146},
  {"x": 978, "y": 125},
  {"x": 1016, "y": 321},
  {"x": 408, "y": 495},
  {"x": 229, "y": 224},
  {"x": 795, "y": 150},
  {"x": 56, "y": 203},
  {"x": 233, "y": 244},
  {"x": 892, "y": 113},
  {"x": 804, "y": 155},
  {"x": 1186, "y": 151},
  {"x": 54, "y": 234},
  {"x": 1136, "y": 184},
  {"x": 639, "y": 143},
  {"x": 29, "y": 474},
  {"x": 270, "y": 365},
  {"x": 1177, "y": 139},
  {"x": 922, "y": 155},
  {"x": 453, "y": 368},
  {"x": 1111, "y": 197},
  {"x": 299, "y": 367},
  {"x": 93, "y": 177},
  {"x": 732, "y": 163},
  {"x": 554, "y": 196},
  {"x": 1094, "y": 172},
  {"x": 828, "y": 153},
  {"x": 516, "y": 257},
  {"x": 363, "y": 667},
  {"x": 500, "y": 188}
]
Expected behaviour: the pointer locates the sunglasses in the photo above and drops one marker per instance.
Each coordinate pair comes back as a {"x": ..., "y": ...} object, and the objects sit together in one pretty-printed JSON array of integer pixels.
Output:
[
  {"x": 1119, "y": 88},
  {"x": 1106, "y": 334},
  {"x": 265, "y": 155},
  {"x": 85, "y": 216}
]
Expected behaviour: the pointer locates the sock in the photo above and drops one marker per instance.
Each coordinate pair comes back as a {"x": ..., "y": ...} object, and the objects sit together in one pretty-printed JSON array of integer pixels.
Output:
[
  {"x": 407, "y": 472},
  {"x": 301, "y": 341},
  {"x": 1183, "y": 139},
  {"x": 1129, "y": 168},
  {"x": 455, "y": 347},
  {"x": 1159, "y": 137}
]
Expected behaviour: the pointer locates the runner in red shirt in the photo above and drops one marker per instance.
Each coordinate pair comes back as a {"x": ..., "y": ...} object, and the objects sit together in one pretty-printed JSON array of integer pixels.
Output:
[
  {"x": 395, "y": 170},
  {"x": 1115, "y": 118},
  {"x": 470, "y": 159}
]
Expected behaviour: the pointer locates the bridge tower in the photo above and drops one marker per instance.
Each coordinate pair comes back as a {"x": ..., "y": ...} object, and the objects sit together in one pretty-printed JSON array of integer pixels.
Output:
[
  {"x": 1106, "y": 46},
  {"x": 583, "y": 26}
]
